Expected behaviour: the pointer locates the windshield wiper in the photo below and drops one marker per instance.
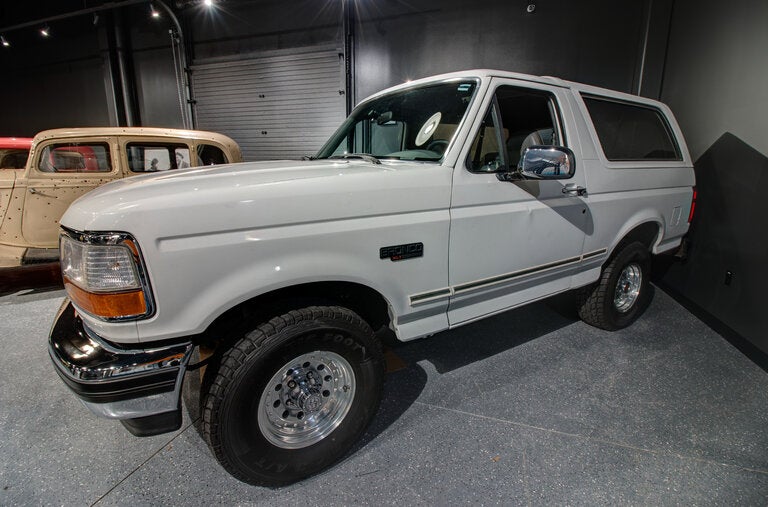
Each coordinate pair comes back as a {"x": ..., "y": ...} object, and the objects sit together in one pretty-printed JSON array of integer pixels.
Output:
[{"x": 363, "y": 156}]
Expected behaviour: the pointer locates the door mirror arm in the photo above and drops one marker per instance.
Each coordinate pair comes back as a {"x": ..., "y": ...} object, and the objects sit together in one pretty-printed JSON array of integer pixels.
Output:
[{"x": 509, "y": 176}]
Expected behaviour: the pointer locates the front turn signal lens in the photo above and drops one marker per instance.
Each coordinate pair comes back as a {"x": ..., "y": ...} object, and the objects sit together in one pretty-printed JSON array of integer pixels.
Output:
[{"x": 109, "y": 306}]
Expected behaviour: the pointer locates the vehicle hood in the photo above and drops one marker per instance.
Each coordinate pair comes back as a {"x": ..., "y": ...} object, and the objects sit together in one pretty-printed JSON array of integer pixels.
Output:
[{"x": 260, "y": 194}]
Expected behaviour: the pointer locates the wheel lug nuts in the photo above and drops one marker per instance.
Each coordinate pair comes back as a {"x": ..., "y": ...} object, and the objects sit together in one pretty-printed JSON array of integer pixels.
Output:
[{"x": 291, "y": 384}]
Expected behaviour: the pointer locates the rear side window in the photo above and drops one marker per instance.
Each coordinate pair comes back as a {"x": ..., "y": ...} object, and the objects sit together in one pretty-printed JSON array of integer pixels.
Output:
[
  {"x": 631, "y": 131},
  {"x": 152, "y": 157},
  {"x": 12, "y": 158},
  {"x": 210, "y": 155}
]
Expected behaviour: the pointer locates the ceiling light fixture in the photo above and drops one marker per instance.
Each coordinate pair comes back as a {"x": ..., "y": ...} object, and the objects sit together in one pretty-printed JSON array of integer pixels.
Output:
[
  {"x": 153, "y": 12},
  {"x": 4, "y": 41},
  {"x": 208, "y": 3},
  {"x": 45, "y": 31}
]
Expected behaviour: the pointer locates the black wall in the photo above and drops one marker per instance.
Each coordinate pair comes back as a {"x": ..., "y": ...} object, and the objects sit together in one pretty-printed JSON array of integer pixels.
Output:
[
  {"x": 590, "y": 41},
  {"x": 241, "y": 27},
  {"x": 716, "y": 81},
  {"x": 597, "y": 41},
  {"x": 53, "y": 82}
]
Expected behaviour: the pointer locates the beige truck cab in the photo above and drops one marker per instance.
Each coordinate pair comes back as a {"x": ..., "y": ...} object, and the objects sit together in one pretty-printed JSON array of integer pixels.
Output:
[{"x": 66, "y": 163}]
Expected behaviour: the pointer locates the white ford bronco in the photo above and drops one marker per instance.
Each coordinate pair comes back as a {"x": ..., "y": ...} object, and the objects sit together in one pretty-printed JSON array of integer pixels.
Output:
[{"x": 435, "y": 204}]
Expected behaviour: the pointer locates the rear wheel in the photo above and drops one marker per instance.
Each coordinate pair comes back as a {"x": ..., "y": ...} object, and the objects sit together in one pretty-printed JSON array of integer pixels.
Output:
[
  {"x": 621, "y": 294},
  {"x": 293, "y": 395}
]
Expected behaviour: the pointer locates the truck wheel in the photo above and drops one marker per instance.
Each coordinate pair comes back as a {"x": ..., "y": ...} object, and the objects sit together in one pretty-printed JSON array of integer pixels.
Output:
[
  {"x": 293, "y": 395},
  {"x": 621, "y": 295}
]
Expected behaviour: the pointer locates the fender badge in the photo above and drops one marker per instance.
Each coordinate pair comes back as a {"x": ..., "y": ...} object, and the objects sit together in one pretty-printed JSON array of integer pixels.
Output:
[{"x": 402, "y": 252}]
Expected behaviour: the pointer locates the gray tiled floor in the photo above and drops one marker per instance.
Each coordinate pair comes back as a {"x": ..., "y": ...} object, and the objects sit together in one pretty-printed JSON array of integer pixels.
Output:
[{"x": 527, "y": 408}]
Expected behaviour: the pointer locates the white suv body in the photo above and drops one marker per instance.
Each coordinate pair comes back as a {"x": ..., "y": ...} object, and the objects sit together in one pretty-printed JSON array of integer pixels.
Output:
[{"x": 441, "y": 227}]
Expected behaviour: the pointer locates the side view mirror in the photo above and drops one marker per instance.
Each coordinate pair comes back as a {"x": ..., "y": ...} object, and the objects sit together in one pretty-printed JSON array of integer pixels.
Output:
[
  {"x": 543, "y": 163},
  {"x": 547, "y": 163}
]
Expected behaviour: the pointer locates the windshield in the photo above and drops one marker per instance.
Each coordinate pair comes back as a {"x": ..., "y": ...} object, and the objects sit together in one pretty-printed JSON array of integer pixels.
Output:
[{"x": 413, "y": 124}]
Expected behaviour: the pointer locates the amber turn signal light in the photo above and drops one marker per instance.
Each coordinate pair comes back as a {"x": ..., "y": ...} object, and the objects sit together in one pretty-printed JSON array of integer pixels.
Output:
[{"x": 108, "y": 305}]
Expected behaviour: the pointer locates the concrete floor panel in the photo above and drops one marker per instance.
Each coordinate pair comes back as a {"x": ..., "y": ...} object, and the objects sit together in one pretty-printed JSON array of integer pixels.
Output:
[{"x": 531, "y": 407}]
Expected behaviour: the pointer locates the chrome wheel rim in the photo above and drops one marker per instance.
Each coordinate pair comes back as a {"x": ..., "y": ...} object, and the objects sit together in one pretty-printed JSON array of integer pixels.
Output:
[
  {"x": 306, "y": 399},
  {"x": 628, "y": 287}
]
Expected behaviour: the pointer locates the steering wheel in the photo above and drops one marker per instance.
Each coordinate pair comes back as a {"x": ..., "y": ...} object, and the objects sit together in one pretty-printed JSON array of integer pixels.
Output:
[{"x": 438, "y": 146}]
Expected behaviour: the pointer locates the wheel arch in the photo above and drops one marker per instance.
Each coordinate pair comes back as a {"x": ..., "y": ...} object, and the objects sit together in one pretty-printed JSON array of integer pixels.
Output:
[
  {"x": 648, "y": 233},
  {"x": 365, "y": 301}
]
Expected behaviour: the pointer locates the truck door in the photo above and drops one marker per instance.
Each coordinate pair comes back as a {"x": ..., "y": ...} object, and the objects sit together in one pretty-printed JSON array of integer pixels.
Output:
[
  {"x": 512, "y": 242},
  {"x": 61, "y": 172}
]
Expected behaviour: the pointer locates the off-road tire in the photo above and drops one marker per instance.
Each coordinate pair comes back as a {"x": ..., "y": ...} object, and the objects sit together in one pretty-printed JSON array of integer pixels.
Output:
[
  {"x": 242, "y": 380},
  {"x": 597, "y": 302}
]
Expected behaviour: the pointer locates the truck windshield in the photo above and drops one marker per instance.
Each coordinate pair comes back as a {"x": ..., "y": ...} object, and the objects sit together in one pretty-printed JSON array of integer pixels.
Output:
[{"x": 413, "y": 124}]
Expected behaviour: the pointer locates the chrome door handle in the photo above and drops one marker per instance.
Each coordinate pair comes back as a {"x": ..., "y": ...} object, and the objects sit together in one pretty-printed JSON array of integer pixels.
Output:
[
  {"x": 574, "y": 189},
  {"x": 32, "y": 190}
]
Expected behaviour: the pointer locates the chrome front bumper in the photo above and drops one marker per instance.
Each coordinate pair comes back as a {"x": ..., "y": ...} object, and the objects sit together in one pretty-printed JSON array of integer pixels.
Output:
[{"x": 141, "y": 387}]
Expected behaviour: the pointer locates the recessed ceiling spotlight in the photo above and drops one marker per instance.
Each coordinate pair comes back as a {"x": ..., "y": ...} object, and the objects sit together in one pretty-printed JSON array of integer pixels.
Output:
[
  {"x": 208, "y": 3},
  {"x": 153, "y": 12},
  {"x": 45, "y": 31}
]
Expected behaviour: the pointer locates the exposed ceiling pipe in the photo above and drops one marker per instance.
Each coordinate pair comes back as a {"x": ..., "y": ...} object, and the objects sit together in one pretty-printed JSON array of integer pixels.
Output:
[
  {"x": 187, "y": 113},
  {"x": 348, "y": 10}
]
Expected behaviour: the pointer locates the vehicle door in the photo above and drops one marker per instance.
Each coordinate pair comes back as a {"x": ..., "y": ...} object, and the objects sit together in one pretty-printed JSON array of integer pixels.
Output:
[
  {"x": 514, "y": 240},
  {"x": 62, "y": 171}
]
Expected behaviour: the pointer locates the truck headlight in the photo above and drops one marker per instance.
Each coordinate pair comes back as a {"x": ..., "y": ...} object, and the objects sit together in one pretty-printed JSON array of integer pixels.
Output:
[{"x": 103, "y": 275}]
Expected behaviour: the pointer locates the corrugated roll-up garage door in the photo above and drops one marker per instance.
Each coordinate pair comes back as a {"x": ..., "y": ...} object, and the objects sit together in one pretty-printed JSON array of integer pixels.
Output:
[{"x": 276, "y": 106}]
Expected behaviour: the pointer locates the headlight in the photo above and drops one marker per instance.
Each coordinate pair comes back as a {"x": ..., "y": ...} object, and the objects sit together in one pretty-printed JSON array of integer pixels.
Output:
[{"x": 103, "y": 275}]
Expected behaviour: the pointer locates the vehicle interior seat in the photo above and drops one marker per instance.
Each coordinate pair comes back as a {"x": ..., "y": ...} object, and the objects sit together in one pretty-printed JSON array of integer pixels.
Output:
[{"x": 514, "y": 143}]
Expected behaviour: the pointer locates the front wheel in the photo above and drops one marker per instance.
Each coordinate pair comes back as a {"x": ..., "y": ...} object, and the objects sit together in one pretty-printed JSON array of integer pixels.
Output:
[
  {"x": 293, "y": 395},
  {"x": 621, "y": 294}
]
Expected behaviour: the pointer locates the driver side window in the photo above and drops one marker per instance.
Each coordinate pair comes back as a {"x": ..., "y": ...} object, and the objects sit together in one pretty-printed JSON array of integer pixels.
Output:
[{"x": 518, "y": 119}]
